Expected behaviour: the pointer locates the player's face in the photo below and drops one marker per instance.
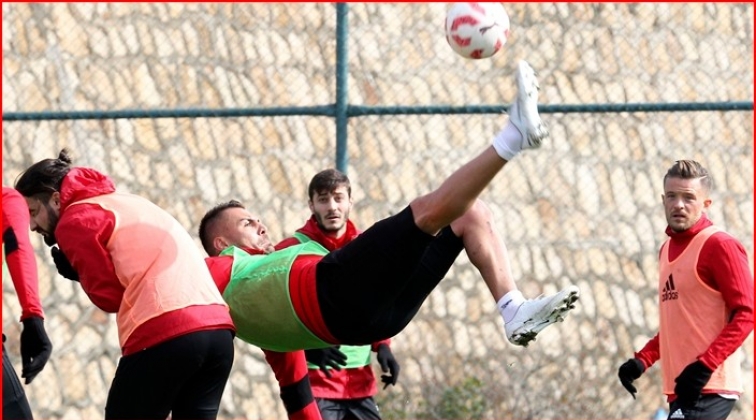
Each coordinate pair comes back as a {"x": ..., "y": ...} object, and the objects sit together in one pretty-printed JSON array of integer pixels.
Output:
[
  {"x": 242, "y": 229},
  {"x": 684, "y": 202},
  {"x": 331, "y": 210},
  {"x": 44, "y": 215}
]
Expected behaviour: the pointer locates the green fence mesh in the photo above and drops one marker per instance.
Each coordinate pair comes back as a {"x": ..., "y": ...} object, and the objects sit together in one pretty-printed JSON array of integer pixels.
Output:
[{"x": 585, "y": 209}]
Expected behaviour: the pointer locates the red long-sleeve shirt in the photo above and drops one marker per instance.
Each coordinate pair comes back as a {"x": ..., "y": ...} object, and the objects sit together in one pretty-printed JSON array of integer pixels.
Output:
[
  {"x": 19, "y": 253},
  {"x": 83, "y": 237},
  {"x": 722, "y": 265}
]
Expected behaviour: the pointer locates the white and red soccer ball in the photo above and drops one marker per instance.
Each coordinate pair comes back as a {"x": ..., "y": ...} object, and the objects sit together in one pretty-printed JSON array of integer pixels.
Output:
[{"x": 477, "y": 30}]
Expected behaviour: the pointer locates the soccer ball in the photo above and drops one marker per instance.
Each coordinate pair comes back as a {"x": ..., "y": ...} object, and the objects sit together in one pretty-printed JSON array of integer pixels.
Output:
[{"x": 477, "y": 30}]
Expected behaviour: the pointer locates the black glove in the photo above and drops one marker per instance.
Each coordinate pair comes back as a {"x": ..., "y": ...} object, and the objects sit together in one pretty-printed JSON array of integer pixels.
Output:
[
  {"x": 330, "y": 357},
  {"x": 64, "y": 266},
  {"x": 630, "y": 371},
  {"x": 35, "y": 348},
  {"x": 388, "y": 364},
  {"x": 691, "y": 381},
  {"x": 50, "y": 240}
]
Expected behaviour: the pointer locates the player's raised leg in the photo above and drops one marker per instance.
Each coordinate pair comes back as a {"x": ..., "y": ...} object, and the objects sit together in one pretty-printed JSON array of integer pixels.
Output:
[
  {"x": 458, "y": 192},
  {"x": 523, "y": 318}
]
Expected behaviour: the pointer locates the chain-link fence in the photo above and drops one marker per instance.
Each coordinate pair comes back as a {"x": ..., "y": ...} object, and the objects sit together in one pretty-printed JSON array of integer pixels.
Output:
[{"x": 585, "y": 209}]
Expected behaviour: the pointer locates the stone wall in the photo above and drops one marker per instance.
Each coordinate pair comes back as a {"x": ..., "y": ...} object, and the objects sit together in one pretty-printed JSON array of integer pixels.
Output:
[{"x": 585, "y": 209}]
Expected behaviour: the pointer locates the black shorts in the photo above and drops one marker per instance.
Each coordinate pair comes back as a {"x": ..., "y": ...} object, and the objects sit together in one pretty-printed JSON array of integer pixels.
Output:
[
  {"x": 15, "y": 404},
  {"x": 184, "y": 376},
  {"x": 371, "y": 288},
  {"x": 354, "y": 409},
  {"x": 707, "y": 407}
]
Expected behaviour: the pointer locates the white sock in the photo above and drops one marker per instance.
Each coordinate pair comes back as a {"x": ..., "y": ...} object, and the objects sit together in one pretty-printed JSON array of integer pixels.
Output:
[
  {"x": 508, "y": 142},
  {"x": 509, "y": 304}
]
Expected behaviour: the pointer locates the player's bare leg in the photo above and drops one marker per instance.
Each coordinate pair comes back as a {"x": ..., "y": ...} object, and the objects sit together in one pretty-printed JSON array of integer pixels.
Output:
[
  {"x": 486, "y": 249},
  {"x": 458, "y": 192},
  {"x": 523, "y": 318}
]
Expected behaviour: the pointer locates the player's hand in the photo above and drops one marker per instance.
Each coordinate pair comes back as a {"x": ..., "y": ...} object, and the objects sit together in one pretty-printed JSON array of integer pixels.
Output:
[
  {"x": 388, "y": 364},
  {"x": 327, "y": 358},
  {"x": 630, "y": 371},
  {"x": 691, "y": 381},
  {"x": 64, "y": 266},
  {"x": 35, "y": 348}
]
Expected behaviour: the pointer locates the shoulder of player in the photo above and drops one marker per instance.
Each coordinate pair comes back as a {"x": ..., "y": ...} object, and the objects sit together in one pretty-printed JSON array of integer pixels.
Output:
[{"x": 722, "y": 240}]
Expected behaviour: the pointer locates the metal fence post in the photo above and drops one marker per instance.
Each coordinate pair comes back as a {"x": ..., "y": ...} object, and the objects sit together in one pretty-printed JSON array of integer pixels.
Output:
[{"x": 342, "y": 23}]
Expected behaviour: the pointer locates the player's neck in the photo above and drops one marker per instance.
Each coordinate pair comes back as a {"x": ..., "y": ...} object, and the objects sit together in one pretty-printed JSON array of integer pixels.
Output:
[{"x": 333, "y": 234}]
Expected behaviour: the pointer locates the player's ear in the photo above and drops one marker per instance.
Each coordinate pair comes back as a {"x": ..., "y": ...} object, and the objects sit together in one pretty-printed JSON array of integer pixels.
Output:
[
  {"x": 220, "y": 243},
  {"x": 55, "y": 200}
]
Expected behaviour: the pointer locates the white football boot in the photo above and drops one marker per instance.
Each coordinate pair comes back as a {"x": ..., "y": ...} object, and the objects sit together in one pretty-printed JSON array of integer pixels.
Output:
[
  {"x": 523, "y": 113},
  {"x": 534, "y": 315}
]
